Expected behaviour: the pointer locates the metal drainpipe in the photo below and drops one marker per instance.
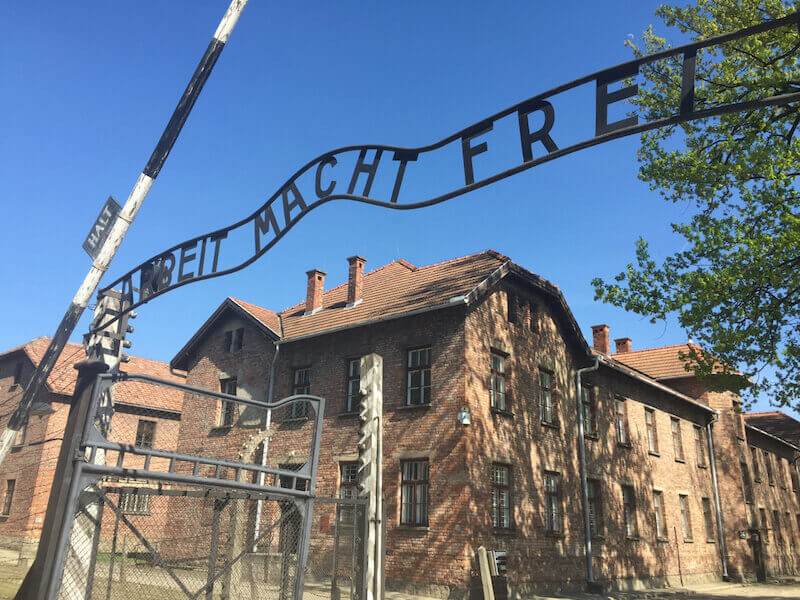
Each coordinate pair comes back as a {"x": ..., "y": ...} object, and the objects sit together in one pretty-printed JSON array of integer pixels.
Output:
[
  {"x": 584, "y": 484},
  {"x": 720, "y": 532},
  {"x": 270, "y": 388}
]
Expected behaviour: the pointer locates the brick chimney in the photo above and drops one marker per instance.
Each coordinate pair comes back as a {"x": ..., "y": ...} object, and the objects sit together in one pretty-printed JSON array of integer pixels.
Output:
[
  {"x": 600, "y": 338},
  {"x": 355, "y": 279},
  {"x": 623, "y": 345},
  {"x": 316, "y": 285}
]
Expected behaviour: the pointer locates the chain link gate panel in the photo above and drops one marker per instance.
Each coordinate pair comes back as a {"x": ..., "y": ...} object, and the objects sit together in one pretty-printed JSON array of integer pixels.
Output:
[{"x": 225, "y": 514}]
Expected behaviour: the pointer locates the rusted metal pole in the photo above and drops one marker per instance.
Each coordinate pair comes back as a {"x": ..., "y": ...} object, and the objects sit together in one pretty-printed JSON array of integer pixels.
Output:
[{"x": 120, "y": 227}]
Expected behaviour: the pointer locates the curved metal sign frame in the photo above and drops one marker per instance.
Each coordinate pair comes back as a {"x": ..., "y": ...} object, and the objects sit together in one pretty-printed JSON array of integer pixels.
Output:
[{"x": 199, "y": 258}]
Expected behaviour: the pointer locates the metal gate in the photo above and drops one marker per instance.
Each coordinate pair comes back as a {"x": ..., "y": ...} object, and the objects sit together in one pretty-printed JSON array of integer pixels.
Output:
[{"x": 218, "y": 514}]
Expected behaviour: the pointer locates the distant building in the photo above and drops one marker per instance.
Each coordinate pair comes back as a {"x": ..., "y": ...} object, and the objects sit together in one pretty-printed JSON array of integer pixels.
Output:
[{"x": 143, "y": 414}]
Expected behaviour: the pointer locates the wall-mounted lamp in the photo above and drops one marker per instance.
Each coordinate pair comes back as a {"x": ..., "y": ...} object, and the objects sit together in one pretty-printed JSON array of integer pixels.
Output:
[{"x": 464, "y": 416}]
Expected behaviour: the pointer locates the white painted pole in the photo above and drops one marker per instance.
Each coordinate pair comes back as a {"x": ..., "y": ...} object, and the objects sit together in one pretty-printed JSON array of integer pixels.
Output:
[{"x": 120, "y": 227}]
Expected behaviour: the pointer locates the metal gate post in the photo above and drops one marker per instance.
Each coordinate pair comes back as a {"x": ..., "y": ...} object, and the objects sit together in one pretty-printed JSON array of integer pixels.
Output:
[
  {"x": 43, "y": 577},
  {"x": 370, "y": 459}
]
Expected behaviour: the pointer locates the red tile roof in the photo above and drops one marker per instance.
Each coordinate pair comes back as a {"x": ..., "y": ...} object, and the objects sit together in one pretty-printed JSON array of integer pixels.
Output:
[
  {"x": 266, "y": 317},
  {"x": 391, "y": 290},
  {"x": 658, "y": 363},
  {"x": 63, "y": 377},
  {"x": 777, "y": 423}
]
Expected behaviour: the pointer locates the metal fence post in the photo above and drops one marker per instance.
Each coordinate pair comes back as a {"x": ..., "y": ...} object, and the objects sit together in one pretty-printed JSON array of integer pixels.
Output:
[
  {"x": 370, "y": 459},
  {"x": 60, "y": 513}
]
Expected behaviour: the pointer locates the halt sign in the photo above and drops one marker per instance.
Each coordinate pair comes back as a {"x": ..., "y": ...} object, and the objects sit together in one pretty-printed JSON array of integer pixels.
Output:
[{"x": 102, "y": 227}]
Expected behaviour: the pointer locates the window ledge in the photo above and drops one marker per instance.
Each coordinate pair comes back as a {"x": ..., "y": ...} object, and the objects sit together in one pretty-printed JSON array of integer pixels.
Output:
[
  {"x": 599, "y": 538},
  {"x": 680, "y": 460},
  {"x": 702, "y": 466},
  {"x": 414, "y": 406},
  {"x": 419, "y": 528},
  {"x": 627, "y": 445},
  {"x": 550, "y": 425},
  {"x": 554, "y": 534},
  {"x": 662, "y": 540},
  {"x": 711, "y": 541},
  {"x": 771, "y": 485},
  {"x": 502, "y": 413},
  {"x": 633, "y": 538},
  {"x": 506, "y": 532},
  {"x": 220, "y": 429},
  {"x": 591, "y": 436},
  {"x": 688, "y": 541},
  {"x": 656, "y": 454}
]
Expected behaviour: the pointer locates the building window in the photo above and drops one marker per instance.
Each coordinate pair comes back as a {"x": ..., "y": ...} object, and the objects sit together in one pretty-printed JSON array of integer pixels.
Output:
[
  {"x": 501, "y": 496},
  {"x": 511, "y": 307},
  {"x": 768, "y": 466},
  {"x": 145, "y": 433},
  {"x": 762, "y": 513},
  {"x": 234, "y": 339},
  {"x": 11, "y": 484},
  {"x": 700, "y": 445},
  {"x": 301, "y": 387},
  {"x": 621, "y": 421},
  {"x": 652, "y": 434},
  {"x": 686, "y": 517},
  {"x": 756, "y": 468},
  {"x": 414, "y": 492},
  {"x": 19, "y": 439},
  {"x": 534, "y": 316},
  {"x": 793, "y": 473},
  {"x": 595, "y": 507},
  {"x": 629, "y": 510},
  {"x": 348, "y": 490},
  {"x": 677, "y": 441},
  {"x": 17, "y": 374},
  {"x": 419, "y": 377},
  {"x": 552, "y": 504},
  {"x": 546, "y": 403},
  {"x": 782, "y": 472},
  {"x": 797, "y": 516},
  {"x": 776, "y": 525},
  {"x": 287, "y": 481},
  {"x": 660, "y": 514},
  {"x": 228, "y": 414},
  {"x": 497, "y": 381},
  {"x": 589, "y": 406},
  {"x": 134, "y": 503},
  {"x": 708, "y": 519},
  {"x": 747, "y": 485},
  {"x": 353, "y": 385}
]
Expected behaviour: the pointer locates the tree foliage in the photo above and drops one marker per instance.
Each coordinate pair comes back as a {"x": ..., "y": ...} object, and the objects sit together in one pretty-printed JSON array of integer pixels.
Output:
[{"x": 735, "y": 284}]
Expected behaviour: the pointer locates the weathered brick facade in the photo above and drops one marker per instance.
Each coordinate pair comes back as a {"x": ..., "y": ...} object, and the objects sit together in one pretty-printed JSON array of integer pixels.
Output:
[
  {"x": 539, "y": 336},
  {"x": 32, "y": 463}
]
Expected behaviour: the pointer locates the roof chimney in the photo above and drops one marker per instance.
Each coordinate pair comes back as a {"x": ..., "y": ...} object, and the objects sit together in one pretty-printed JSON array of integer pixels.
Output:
[
  {"x": 623, "y": 345},
  {"x": 600, "y": 338},
  {"x": 355, "y": 280},
  {"x": 316, "y": 285}
]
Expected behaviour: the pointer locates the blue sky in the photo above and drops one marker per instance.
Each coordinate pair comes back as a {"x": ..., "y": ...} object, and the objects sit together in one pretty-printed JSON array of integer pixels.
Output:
[{"x": 89, "y": 88}]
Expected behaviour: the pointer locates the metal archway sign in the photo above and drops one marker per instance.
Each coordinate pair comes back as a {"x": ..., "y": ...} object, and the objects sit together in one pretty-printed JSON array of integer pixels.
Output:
[{"x": 328, "y": 177}]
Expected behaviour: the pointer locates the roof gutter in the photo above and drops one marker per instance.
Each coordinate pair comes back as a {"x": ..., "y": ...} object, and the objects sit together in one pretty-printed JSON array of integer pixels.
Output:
[
  {"x": 610, "y": 363},
  {"x": 774, "y": 437}
]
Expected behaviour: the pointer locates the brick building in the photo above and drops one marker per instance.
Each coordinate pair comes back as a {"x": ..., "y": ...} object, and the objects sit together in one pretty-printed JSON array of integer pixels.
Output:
[
  {"x": 143, "y": 415},
  {"x": 484, "y": 336}
]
